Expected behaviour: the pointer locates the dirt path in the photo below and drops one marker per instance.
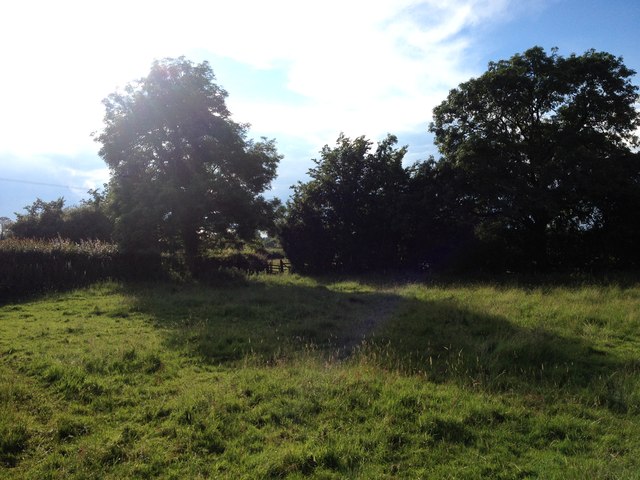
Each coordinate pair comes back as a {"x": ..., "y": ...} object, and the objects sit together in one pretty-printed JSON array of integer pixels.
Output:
[{"x": 379, "y": 311}]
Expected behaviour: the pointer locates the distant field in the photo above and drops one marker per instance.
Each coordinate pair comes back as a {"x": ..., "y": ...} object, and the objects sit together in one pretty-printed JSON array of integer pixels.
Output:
[{"x": 270, "y": 377}]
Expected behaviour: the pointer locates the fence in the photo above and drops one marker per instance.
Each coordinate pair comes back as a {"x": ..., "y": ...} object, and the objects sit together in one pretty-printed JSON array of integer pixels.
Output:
[{"x": 278, "y": 266}]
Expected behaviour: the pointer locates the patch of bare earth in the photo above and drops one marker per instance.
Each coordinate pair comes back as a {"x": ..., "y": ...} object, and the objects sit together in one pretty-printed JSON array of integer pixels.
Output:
[{"x": 376, "y": 313}]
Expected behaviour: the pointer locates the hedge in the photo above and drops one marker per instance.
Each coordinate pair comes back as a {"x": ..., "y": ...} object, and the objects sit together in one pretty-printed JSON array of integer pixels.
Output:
[{"x": 30, "y": 266}]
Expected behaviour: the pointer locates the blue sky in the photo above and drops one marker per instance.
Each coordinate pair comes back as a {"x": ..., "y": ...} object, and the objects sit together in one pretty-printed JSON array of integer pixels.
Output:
[{"x": 299, "y": 71}]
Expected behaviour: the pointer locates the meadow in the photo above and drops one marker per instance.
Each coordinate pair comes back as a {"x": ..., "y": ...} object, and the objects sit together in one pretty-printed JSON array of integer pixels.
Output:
[{"x": 284, "y": 376}]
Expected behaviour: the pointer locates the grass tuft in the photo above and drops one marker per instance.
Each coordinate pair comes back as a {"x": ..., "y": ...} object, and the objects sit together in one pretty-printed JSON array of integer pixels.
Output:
[{"x": 14, "y": 437}]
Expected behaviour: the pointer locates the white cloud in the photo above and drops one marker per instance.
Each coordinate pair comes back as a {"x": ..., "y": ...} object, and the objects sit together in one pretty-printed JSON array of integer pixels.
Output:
[
  {"x": 87, "y": 178},
  {"x": 362, "y": 67}
]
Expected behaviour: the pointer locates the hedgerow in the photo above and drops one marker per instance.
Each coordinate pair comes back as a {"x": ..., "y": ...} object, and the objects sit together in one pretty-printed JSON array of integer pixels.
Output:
[{"x": 29, "y": 266}]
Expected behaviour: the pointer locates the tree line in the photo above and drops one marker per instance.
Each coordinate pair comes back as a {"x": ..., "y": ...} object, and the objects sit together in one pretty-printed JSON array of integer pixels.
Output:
[{"x": 539, "y": 169}]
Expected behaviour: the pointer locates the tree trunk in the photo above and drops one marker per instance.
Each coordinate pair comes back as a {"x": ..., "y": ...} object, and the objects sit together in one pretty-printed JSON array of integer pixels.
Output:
[
  {"x": 190, "y": 243},
  {"x": 538, "y": 243}
]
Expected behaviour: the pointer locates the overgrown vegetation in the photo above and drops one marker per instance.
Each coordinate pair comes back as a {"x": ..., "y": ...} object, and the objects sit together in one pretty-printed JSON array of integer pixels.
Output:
[
  {"x": 31, "y": 266},
  {"x": 269, "y": 377},
  {"x": 34, "y": 266}
]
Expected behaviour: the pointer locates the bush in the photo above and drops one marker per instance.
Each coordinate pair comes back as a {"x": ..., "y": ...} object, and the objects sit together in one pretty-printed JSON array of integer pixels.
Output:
[{"x": 231, "y": 260}]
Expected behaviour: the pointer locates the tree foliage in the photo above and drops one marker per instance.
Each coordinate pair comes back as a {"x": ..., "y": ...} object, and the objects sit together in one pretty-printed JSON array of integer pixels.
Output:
[
  {"x": 50, "y": 220},
  {"x": 182, "y": 169},
  {"x": 348, "y": 216},
  {"x": 541, "y": 150},
  {"x": 41, "y": 220},
  {"x": 539, "y": 169}
]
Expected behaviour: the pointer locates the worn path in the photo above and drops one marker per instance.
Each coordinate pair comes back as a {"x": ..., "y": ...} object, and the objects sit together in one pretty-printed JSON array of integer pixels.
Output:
[{"x": 379, "y": 311}]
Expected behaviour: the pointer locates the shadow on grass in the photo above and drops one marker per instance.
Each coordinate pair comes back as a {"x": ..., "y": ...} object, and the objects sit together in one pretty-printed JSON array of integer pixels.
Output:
[
  {"x": 267, "y": 321},
  {"x": 526, "y": 281},
  {"x": 270, "y": 322},
  {"x": 446, "y": 342}
]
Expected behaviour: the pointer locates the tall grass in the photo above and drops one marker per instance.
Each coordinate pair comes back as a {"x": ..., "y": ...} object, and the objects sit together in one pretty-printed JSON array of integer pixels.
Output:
[{"x": 29, "y": 266}]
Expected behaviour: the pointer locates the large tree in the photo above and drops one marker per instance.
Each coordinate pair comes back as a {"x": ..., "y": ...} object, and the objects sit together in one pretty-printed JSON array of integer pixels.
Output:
[
  {"x": 181, "y": 168},
  {"x": 348, "y": 216},
  {"x": 542, "y": 150}
]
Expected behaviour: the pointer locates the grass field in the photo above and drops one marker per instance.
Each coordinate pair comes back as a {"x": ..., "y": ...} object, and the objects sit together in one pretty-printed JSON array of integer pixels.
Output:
[{"x": 293, "y": 377}]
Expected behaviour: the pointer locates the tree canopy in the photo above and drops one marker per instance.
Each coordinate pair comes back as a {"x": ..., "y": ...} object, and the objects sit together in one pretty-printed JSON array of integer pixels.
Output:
[
  {"x": 348, "y": 216},
  {"x": 47, "y": 220},
  {"x": 182, "y": 169},
  {"x": 539, "y": 169},
  {"x": 542, "y": 150}
]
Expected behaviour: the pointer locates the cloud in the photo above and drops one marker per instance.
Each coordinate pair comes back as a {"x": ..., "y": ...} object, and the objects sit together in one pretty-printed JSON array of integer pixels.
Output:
[
  {"x": 363, "y": 68},
  {"x": 378, "y": 65},
  {"x": 355, "y": 66},
  {"x": 87, "y": 178}
]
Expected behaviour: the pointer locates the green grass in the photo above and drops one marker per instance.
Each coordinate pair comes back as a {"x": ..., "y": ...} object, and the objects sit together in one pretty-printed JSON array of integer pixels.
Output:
[{"x": 293, "y": 377}]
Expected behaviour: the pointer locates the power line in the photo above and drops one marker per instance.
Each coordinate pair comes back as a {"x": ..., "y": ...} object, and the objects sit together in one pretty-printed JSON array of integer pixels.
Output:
[{"x": 29, "y": 182}]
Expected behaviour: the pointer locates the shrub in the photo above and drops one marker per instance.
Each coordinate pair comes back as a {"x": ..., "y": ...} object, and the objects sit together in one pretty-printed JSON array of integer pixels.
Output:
[{"x": 232, "y": 260}]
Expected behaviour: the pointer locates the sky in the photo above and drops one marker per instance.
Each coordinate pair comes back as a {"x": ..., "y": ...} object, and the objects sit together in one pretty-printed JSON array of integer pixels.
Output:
[{"x": 300, "y": 72}]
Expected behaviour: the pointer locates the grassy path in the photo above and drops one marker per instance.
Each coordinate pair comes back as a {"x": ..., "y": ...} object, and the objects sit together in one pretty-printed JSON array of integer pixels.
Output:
[{"x": 379, "y": 312}]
